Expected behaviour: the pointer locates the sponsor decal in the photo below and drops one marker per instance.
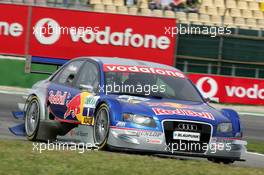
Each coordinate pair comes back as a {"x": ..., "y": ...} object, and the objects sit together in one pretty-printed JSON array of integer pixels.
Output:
[
  {"x": 57, "y": 99},
  {"x": 167, "y": 104},
  {"x": 148, "y": 134},
  {"x": 13, "y": 29},
  {"x": 154, "y": 141},
  {"x": 10, "y": 29},
  {"x": 103, "y": 37},
  {"x": 82, "y": 107},
  {"x": 142, "y": 69},
  {"x": 131, "y": 99},
  {"x": 90, "y": 101},
  {"x": 89, "y": 37},
  {"x": 183, "y": 112},
  {"x": 87, "y": 120},
  {"x": 212, "y": 87},
  {"x": 121, "y": 124},
  {"x": 43, "y": 37},
  {"x": 138, "y": 133},
  {"x": 190, "y": 136}
]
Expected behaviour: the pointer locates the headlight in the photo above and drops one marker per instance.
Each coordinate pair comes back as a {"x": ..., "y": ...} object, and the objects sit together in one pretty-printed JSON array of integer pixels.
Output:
[
  {"x": 224, "y": 127},
  {"x": 140, "y": 120}
]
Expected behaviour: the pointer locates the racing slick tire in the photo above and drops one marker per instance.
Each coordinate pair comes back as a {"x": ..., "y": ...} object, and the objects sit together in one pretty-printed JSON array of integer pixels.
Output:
[
  {"x": 220, "y": 160},
  {"x": 101, "y": 127},
  {"x": 32, "y": 118}
]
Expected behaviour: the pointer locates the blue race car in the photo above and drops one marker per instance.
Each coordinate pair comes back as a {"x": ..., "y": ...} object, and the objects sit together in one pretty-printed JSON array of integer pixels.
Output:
[{"x": 132, "y": 105}]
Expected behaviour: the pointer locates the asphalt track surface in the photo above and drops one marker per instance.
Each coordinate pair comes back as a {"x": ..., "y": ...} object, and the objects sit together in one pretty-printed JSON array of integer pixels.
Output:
[{"x": 253, "y": 128}]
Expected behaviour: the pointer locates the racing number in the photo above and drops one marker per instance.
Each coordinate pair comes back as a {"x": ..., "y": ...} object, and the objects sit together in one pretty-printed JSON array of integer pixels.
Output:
[{"x": 88, "y": 121}]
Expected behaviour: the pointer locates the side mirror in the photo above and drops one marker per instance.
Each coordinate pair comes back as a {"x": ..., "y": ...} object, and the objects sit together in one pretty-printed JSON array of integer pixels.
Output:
[{"x": 87, "y": 88}]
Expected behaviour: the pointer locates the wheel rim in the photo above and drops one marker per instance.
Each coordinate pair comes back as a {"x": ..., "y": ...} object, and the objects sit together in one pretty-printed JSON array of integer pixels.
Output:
[
  {"x": 32, "y": 116},
  {"x": 101, "y": 126}
]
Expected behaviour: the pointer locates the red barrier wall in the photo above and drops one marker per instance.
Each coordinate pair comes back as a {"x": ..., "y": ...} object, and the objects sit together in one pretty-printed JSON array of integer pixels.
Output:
[{"x": 230, "y": 89}]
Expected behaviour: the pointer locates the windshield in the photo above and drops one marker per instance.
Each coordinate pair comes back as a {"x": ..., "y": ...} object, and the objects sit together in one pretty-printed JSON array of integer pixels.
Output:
[{"x": 150, "y": 85}]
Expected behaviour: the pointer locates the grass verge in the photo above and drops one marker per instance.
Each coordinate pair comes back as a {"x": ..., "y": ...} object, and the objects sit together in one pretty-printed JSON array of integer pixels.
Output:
[
  {"x": 255, "y": 146},
  {"x": 13, "y": 74},
  {"x": 18, "y": 157}
]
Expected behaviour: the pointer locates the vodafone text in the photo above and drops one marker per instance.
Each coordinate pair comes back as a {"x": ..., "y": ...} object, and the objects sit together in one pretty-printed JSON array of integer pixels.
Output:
[
  {"x": 253, "y": 92},
  {"x": 102, "y": 36},
  {"x": 142, "y": 69},
  {"x": 10, "y": 29}
]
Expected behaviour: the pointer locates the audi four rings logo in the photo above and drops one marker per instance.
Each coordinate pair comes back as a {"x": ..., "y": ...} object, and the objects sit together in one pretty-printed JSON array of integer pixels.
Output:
[{"x": 187, "y": 127}]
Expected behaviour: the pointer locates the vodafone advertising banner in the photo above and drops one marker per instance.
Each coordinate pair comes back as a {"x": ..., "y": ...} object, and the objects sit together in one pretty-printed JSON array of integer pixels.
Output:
[
  {"x": 13, "y": 26},
  {"x": 64, "y": 34},
  {"x": 230, "y": 89}
]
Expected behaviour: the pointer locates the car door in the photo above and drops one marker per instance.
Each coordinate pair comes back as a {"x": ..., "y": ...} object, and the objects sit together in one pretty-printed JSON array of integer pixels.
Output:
[
  {"x": 88, "y": 81},
  {"x": 62, "y": 93}
]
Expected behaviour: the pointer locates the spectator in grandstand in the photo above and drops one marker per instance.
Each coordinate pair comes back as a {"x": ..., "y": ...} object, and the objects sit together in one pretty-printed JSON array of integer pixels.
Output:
[
  {"x": 175, "y": 5},
  {"x": 178, "y": 5},
  {"x": 160, "y": 4},
  {"x": 130, "y": 2},
  {"x": 154, "y": 4},
  {"x": 193, "y": 5}
]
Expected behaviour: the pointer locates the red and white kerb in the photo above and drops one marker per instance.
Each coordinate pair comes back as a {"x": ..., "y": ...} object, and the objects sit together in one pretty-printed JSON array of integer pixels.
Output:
[{"x": 142, "y": 69}]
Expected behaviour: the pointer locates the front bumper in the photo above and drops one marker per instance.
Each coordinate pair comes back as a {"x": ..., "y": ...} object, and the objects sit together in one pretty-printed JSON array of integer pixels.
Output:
[{"x": 155, "y": 142}]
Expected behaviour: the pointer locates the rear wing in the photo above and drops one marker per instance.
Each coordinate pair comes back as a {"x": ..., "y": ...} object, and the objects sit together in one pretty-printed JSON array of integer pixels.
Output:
[{"x": 43, "y": 65}]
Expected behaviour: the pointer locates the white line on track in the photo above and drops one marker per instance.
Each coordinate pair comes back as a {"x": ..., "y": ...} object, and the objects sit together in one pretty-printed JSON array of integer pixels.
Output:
[
  {"x": 12, "y": 92},
  {"x": 257, "y": 154},
  {"x": 12, "y": 58},
  {"x": 250, "y": 113}
]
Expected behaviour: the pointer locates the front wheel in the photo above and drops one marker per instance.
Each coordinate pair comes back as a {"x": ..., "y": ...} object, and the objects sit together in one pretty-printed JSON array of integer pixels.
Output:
[
  {"x": 32, "y": 118},
  {"x": 101, "y": 127}
]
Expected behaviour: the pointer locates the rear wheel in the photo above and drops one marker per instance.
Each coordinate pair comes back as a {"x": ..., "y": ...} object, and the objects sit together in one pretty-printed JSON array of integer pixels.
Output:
[
  {"x": 32, "y": 118},
  {"x": 101, "y": 126}
]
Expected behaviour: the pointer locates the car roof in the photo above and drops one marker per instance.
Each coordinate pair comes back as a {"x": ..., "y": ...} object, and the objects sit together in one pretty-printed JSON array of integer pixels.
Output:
[{"x": 129, "y": 62}]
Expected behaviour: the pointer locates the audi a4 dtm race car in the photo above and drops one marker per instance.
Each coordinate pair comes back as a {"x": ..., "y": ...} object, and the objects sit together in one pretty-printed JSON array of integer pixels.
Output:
[{"x": 132, "y": 105}]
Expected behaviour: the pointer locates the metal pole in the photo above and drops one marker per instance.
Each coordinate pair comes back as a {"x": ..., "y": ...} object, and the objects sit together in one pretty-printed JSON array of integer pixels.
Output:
[
  {"x": 233, "y": 70},
  {"x": 221, "y": 43},
  {"x": 185, "y": 66},
  {"x": 176, "y": 47},
  {"x": 209, "y": 68},
  {"x": 257, "y": 73},
  {"x": 27, "y": 43}
]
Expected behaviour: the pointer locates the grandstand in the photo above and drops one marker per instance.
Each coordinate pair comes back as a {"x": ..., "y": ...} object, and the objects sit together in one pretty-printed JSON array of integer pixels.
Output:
[{"x": 237, "y": 13}]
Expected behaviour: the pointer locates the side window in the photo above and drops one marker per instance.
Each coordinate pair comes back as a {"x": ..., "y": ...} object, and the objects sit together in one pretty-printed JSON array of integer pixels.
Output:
[
  {"x": 89, "y": 75},
  {"x": 69, "y": 73}
]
